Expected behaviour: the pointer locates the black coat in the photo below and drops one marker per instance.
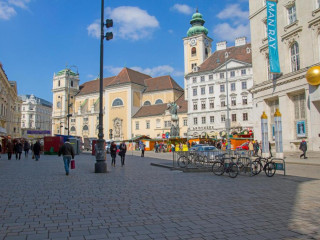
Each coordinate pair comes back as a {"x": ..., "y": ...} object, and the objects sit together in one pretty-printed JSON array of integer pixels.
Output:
[
  {"x": 303, "y": 146},
  {"x": 123, "y": 149},
  {"x": 36, "y": 148},
  {"x": 113, "y": 150}
]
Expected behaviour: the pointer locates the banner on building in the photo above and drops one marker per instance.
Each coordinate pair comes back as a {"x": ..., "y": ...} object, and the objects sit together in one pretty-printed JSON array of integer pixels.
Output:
[
  {"x": 40, "y": 132},
  {"x": 273, "y": 36},
  {"x": 301, "y": 128}
]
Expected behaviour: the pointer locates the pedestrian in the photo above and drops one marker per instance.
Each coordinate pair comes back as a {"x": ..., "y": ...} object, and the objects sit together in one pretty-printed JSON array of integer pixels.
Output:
[
  {"x": 26, "y": 148},
  {"x": 36, "y": 150},
  {"x": 260, "y": 147},
  {"x": 67, "y": 152},
  {"x": 250, "y": 146},
  {"x": 143, "y": 147},
  {"x": 113, "y": 153},
  {"x": 270, "y": 149},
  {"x": 18, "y": 149},
  {"x": 256, "y": 147},
  {"x": 9, "y": 149},
  {"x": 303, "y": 147},
  {"x": 122, "y": 152}
]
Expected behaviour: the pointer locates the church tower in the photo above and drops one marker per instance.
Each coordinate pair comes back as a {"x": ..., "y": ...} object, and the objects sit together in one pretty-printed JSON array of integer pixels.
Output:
[
  {"x": 65, "y": 86},
  {"x": 197, "y": 45}
]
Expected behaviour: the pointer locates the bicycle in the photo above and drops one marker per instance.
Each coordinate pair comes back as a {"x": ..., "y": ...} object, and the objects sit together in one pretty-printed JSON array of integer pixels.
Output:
[
  {"x": 219, "y": 167},
  {"x": 191, "y": 158},
  {"x": 269, "y": 166}
]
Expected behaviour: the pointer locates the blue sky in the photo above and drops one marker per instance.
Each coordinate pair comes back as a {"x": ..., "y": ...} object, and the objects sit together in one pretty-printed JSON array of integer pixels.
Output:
[{"x": 39, "y": 37}]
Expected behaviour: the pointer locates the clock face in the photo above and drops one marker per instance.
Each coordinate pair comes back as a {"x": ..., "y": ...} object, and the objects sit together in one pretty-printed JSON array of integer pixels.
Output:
[{"x": 193, "y": 42}]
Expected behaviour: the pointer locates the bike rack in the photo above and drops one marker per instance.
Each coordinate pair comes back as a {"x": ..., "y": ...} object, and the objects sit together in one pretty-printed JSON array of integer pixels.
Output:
[{"x": 280, "y": 164}]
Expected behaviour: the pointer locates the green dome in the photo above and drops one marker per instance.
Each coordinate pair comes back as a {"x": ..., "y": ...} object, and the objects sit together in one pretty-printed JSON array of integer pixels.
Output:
[
  {"x": 64, "y": 71},
  {"x": 197, "y": 23}
]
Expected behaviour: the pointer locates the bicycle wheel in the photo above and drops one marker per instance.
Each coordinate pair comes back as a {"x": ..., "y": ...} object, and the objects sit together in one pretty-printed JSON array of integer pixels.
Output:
[
  {"x": 182, "y": 161},
  {"x": 233, "y": 170},
  {"x": 270, "y": 169},
  {"x": 218, "y": 168},
  {"x": 256, "y": 167}
]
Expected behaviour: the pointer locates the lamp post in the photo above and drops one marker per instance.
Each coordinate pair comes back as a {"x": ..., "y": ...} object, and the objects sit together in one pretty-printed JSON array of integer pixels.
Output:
[
  {"x": 100, "y": 165},
  {"x": 228, "y": 118}
]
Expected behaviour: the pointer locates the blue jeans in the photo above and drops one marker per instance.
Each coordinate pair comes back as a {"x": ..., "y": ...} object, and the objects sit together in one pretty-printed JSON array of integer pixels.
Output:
[
  {"x": 37, "y": 157},
  {"x": 66, "y": 160}
]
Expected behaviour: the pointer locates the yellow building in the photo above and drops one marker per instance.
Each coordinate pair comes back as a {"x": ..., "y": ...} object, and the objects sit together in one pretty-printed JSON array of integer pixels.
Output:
[
  {"x": 123, "y": 96},
  {"x": 10, "y": 106}
]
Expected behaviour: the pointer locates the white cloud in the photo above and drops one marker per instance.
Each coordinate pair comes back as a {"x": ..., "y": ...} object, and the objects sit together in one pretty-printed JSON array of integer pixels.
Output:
[
  {"x": 227, "y": 32},
  {"x": 233, "y": 11},
  {"x": 19, "y": 3},
  {"x": 153, "y": 72},
  {"x": 130, "y": 23},
  {"x": 6, "y": 11},
  {"x": 183, "y": 8}
]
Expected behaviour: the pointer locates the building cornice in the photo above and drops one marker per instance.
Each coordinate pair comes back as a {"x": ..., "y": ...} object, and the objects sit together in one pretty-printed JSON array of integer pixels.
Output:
[{"x": 257, "y": 12}]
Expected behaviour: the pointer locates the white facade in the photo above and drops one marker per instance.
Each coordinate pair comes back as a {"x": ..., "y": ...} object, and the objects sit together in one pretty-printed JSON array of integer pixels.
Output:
[
  {"x": 299, "y": 48},
  {"x": 207, "y": 99},
  {"x": 35, "y": 113}
]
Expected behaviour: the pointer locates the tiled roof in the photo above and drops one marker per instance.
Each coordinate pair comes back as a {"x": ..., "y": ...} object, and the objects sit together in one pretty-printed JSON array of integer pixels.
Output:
[
  {"x": 128, "y": 75},
  {"x": 161, "y": 83},
  {"x": 218, "y": 57},
  {"x": 151, "y": 110},
  {"x": 183, "y": 104},
  {"x": 93, "y": 86}
]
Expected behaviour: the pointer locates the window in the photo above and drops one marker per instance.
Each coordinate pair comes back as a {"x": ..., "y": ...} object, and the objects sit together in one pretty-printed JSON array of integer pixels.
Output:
[
  {"x": 299, "y": 102},
  {"x": 232, "y": 74},
  {"x": 195, "y": 106},
  {"x": 148, "y": 124},
  {"x": 211, "y": 103},
  {"x": 203, "y": 105},
  {"x": 194, "y": 92},
  {"x": 74, "y": 120},
  {"x": 203, "y": 91},
  {"x": 185, "y": 122},
  {"x": 233, "y": 101},
  {"x": 59, "y": 83},
  {"x": 159, "y": 101},
  {"x": 211, "y": 119},
  {"x": 223, "y": 102},
  {"x": 137, "y": 125},
  {"x": 223, "y": 118},
  {"x": 203, "y": 120},
  {"x": 295, "y": 60},
  {"x": 195, "y": 121},
  {"x": 23, "y": 108},
  {"x": 22, "y": 115},
  {"x": 245, "y": 116},
  {"x": 210, "y": 89},
  {"x": 292, "y": 14},
  {"x": 233, "y": 86},
  {"x": 167, "y": 124},
  {"x": 221, "y": 75},
  {"x": 222, "y": 88},
  {"x": 234, "y": 117},
  {"x": 158, "y": 123},
  {"x": 202, "y": 78},
  {"x": 71, "y": 84},
  {"x": 243, "y": 72},
  {"x": 193, "y": 66},
  {"x": 117, "y": 102},
  {"x": 211, "y": 76},
  {"x": 72, "y": 129},
  {"x": 85, "y": 128},
  {"x": 59, "y": 104},
  {"x": 194, "y": 79},
  {"x": 244, "y": 85},
  {"x": 193, "y": 52},
  {"x": 147, "y": 103},
  {"x": 244, "y": 100}
]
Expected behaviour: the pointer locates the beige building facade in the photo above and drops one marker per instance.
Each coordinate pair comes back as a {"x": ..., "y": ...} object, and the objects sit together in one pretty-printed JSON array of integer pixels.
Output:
[
  {"x": 10, "y": 107},
  {"x": 298, "y": 29},
  {"x": 123, "y": 96}
]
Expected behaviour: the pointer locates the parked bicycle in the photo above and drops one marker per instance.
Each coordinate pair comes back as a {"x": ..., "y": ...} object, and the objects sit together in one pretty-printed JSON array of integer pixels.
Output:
[
  {"x": 265, "y": 164},
  {"x": 225, "y": 164}
]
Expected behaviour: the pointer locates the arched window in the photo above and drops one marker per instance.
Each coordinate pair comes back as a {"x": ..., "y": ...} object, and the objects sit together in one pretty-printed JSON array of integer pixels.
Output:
[
  {"x": 117, "y": 102},
  {"x": 159, "y": 101},
  {"x": 147, "y": 103},
  {"x": 59, "y": 83},
  {"x": 193, "y": 52},
  {"x": 71, "y": 83},
  {"x": 295, "y": 59},
  {"x": 72, "y": 129},
  {"x": 85, "y": 128},
  {"x": 206, "y": 52},
  {"x": 59, "y": 104}
]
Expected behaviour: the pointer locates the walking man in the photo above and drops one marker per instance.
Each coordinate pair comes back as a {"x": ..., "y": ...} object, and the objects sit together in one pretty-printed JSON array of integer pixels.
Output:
[
  {"x": 113, "y": 153},
  {"x": 9, "y": 149},
  {"x": 122, "y": 152},
  {"x": 36, "y": 150},
  {"x": 26, "y": 148},
  {"x": 142, "y": 149},
  {"x": 67, "y": 152},
  {"x": 303, "y": 147},
  {"x": 18, "y": 150}
]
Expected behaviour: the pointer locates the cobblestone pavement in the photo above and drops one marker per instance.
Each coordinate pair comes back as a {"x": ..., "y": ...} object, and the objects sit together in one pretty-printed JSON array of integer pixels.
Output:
[{"x": 139, "y": 201}]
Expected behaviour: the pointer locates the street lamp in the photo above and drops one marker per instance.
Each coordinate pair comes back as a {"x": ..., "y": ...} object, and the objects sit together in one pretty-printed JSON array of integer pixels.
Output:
[{"x": 100, "y": 165}]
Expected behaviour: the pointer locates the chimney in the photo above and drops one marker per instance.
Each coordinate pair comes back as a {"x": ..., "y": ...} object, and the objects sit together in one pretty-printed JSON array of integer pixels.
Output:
[
  {"x": 222, "y": 45},
  {"x": 240, "y": 41}
]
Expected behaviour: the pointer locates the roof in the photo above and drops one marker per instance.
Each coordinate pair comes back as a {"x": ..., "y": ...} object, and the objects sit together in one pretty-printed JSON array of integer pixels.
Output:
[
  {"x": 128, "y": 75},
  {"x": 93, "y": 86},
  {"x": 183, "y": 104},
  {"x": 161, "y": 83},
  {"x": 151, "y": 110},
  {"x": 39, "y": 100},
  {"x": 218, "y": 58},
  {"x": 64, "y": 71}
]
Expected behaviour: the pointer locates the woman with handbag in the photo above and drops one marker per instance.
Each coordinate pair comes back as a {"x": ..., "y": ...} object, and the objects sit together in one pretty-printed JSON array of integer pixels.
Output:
[
  {"x": 122, "y": 152},
  {"x": 113, "y": 153}
]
